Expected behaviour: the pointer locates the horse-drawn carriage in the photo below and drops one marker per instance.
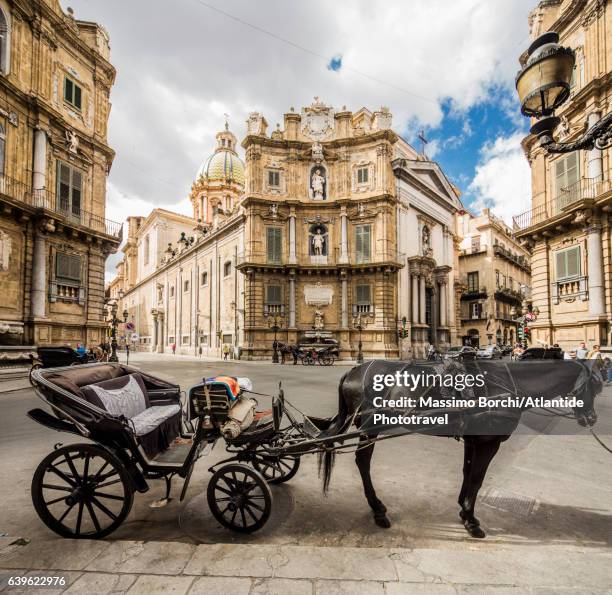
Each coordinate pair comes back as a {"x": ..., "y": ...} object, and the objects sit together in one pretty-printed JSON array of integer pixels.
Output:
[{"x": 140, "y": 430}]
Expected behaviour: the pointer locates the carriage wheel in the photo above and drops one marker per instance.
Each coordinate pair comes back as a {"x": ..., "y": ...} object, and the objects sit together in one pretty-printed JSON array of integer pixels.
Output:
[
  {"x": 326, "y": 359},
  {"x": 239, "y": 498},
  {"x": 82, "y": 491},
  {"x": 276, "y": 469}
]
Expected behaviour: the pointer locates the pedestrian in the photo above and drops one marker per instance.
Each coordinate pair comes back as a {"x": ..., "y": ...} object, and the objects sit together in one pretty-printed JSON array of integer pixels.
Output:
[
  {"x": 294, "y": 352},
  {"x": 518, "y": 350},
  {"x": 607, "y": 363},
  {"x": 226, "y": 351},
  {"x": 595, "y": 353},
  {"x": 582, "y": 351},
  {"x": 81, "y": 349},
  {"x": 173, "y": 348},
  {"x": 127, "y": 352}
]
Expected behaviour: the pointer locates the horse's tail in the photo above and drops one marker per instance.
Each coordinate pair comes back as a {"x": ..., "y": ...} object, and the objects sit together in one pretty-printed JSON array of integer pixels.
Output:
[{"x": 327, "y": 458}]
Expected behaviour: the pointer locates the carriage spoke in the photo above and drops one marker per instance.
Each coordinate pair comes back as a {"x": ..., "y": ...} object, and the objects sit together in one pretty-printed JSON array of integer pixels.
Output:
[
  {"x": 243, "y": 516},
  {"x": 109, "y": 496},
  {"x": 228, "y": 492},
  {"x": 110, "y": 483},
  {"x": 256, "y": 506},
  {"x": 234, "y": 516},
  {"x": 99, "y": 472},
  {"x": 55, "y": 500},
  {"x": 62, "y": 475},
  {"x": 66, "y": 513},
  {"x": 93, "y": 516},
  {"x": 105, "y": 477},
  {"x": 75, "y": 473},
  {"x": 60, "y": 488},
  {"x": 86, "y": 469},
  {"x": 103, "y": 508},
  {"x": 79, "y": 519}
]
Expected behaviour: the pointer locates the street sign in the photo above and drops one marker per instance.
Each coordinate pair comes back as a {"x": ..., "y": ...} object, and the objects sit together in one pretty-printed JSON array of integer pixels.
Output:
[
  {"x": 134, "y": 337},
  {"x": 129, "y": 326}
]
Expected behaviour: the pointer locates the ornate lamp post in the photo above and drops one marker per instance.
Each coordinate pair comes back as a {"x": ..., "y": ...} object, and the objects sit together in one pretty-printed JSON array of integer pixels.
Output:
[
  {"x": 360, "y": 321},
  {"x": 114, "y": 323},
  {"x": 274, "y": 323},
  {"x": 526, "y": 317},
  {"x": 543, "y": 84}
]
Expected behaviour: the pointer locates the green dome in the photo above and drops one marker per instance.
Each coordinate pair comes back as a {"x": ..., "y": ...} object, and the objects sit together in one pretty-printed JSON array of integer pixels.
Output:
[{"x": 223, "y": 165}]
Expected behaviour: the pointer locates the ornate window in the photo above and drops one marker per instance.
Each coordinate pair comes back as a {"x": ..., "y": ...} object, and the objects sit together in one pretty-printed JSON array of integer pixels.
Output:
[
  {"x": 5, "y": 43},
  {"x": 73, "y": 94},
  {"x": 363, "y": 298},
  {"x": 66, "y": 281},
  {"x": 227, "y": 268},
  {"x": 567, "y": 263},
  {"x": 273, "y": 245},
  {"x": 363, "y": 243},
  {"x": 475, "y": 243},
  {"x": 273, "y": 178},
  {"x": 69, "y": 189},
  {"x": 567, "y": 174},
  {"x": 362, "y": 175},
  {"x": 204, "y": 278}
]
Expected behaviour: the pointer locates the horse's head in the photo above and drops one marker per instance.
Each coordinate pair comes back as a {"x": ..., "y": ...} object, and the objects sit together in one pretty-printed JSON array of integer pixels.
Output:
[{"x": 588, "y": 385}]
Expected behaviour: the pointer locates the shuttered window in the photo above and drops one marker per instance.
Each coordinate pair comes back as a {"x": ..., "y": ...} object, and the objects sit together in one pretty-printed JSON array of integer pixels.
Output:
[
  {"x": 73, "y": 93},
  {"x": 567, "y": 173},
  {"x": 67, "y": 267},
  {"x": 363, "y": 243},
  {"x": 568, "y": 263},
  {"x": 362, "y": 175},
  {"x": 69, "y": 189},
  {"x": 472, "y": 279},
  {"x": 273, "y": 245},
  {"x": 273, "y": 178},
  {"x": 363, "y": 294},
  {"x": 274, "y": 294}
]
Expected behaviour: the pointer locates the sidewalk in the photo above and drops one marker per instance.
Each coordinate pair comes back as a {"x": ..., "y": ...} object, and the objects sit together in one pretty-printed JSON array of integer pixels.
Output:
[{"x": 145, "y": 567}]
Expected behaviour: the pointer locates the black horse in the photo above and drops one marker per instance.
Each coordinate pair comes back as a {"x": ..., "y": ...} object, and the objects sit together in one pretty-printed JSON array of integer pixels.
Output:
[{"x": 482, "y": 430}]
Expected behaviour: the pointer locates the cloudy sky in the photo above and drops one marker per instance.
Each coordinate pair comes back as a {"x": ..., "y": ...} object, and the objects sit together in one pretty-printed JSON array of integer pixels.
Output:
[{"x": 445, "y": 66}]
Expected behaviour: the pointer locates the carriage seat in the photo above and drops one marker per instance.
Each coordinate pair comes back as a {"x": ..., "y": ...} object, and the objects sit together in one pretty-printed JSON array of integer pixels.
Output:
[{"x": 156, "y": 424}]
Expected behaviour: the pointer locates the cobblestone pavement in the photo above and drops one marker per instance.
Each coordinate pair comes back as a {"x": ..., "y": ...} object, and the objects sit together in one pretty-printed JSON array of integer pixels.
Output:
[{"x": 546, "y": 506}]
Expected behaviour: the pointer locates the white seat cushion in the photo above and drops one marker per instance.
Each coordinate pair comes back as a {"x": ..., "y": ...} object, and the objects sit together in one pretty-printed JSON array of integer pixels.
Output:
[
  {"x": 128, "y": 401},
  {"x": 152, "y": 417}
]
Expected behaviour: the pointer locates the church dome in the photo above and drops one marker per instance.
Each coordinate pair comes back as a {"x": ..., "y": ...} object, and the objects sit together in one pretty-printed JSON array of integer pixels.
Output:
[{"x": 224, "y": 165}]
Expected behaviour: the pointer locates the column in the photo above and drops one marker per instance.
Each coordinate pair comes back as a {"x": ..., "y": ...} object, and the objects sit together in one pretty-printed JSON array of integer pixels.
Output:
[
  {"x": 345, "y": 322},
  {"x": 291, "y": 302},
  {"x": 39, "y": 175},
  {"x": 442, "y": 303},
  {"x": 160, "y": 334},
  {"x": 343, "y": 236},
  {"x": 595, "y": 271},
  {"x": 155, "y": 331},
  {"x": 292, "y": 256},
  {"x": 39, "y": 275},
  {"x": 414, "y": 298},
  {"x": 594, "y": 156},
  {"x": 422, "y": 299}
]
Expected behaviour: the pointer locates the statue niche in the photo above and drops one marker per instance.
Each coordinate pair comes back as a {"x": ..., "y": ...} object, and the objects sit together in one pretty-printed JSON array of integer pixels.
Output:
[
  {"x": 318, "y": 183},
  {"x": 318, "y": 243}
]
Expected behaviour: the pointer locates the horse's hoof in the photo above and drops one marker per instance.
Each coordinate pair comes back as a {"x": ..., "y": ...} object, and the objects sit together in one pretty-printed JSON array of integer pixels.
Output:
[
  {"x": 474, "y": 530},
  {"x": 382, "y": 521}
]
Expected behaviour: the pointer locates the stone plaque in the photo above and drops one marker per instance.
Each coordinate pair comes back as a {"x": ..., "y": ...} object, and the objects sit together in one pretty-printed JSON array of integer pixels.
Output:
[{"x": 318, "y": 294}]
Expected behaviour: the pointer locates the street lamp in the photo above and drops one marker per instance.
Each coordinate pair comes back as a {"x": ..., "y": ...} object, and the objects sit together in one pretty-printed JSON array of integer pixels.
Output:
[
  {"x": 360, "y": 321},
  {"x": 274, "y": 319},
  {"x": 114, "y": 323},
  {"x": 526, "y": 316},
  {"x": 543, "y": 84}
]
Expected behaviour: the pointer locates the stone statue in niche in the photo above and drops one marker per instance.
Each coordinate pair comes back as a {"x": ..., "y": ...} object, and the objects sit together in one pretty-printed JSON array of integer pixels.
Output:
[
  {"x": 72, "y": 141},
  {"x": 426, "y": 240},
  {"x": 317, "y": 152},
  {"x": 318, "y": 183},
  {"x": 318, "y": 240},
  {"x": 319, "y": 324}
]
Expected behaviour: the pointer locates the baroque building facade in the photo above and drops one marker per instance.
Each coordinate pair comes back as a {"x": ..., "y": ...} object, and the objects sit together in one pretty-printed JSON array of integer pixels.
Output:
[
  {"x": 333, "y": 228},
  {"x": 568, "y": 229},
  {"x": 55, "y": 81},
  {"x": 495, "y": 277}
]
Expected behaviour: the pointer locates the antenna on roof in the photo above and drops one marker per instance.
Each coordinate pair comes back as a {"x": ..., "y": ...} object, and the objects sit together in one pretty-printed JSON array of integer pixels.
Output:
[{"x": 424, "y": 141}]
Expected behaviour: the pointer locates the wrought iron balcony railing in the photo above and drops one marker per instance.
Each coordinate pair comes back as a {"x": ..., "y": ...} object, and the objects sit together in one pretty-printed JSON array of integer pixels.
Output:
[
  {"x": 43, "y": 199},
  {"x": 333, "y": 258}
]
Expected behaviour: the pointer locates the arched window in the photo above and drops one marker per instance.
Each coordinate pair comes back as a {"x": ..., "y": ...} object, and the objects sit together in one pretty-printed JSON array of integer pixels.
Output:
[
  {"x": 5, "y": 43},
  {"x": 2, "y": 148}
]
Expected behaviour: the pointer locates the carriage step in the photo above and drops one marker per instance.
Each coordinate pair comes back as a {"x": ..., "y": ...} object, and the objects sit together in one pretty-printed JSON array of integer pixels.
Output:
[{"x": 176, "y": 453}]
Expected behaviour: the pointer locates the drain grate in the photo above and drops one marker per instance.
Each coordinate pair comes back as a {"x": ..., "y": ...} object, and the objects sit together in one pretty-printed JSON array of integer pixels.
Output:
[{"x": 514, "y": 503}]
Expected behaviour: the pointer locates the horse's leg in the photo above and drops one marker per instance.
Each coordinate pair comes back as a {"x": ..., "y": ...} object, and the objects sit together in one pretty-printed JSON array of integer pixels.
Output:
[
  {"x": 363, "y": 458},
  {"x": 479, "y": 453}
]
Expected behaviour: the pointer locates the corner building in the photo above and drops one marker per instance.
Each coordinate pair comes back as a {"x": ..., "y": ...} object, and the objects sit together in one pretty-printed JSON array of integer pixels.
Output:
[{"x": 332, "y": 221}]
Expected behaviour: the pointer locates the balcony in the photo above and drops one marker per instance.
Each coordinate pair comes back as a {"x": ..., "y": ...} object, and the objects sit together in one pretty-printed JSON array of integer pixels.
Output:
[
  {"x": 474, "y": 292},
  {"x": 570, "y": 290},
  {"x": 517, "y": 259},
  {"x": 583, "y": 189},
  {"x": 45, "y": 200},
  {"x": 505, "y": 294},
  {"x": 332, "y": 259}
]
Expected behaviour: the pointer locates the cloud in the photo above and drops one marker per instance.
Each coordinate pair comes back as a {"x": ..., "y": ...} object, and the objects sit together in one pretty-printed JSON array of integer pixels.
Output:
[
  {"x": 503, "y": 178},
  {"x": 181, "y": 66}
]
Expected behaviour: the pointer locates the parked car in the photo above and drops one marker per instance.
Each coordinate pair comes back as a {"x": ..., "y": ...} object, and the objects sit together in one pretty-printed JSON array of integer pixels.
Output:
[
  {"x": 489, "y": 352},
  {"x": 541, "y": 353},
  {"x": 461, "y": 353}
]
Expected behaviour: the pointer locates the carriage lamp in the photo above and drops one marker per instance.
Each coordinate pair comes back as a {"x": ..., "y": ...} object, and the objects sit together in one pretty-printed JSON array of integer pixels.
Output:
[{"x": 543, "y": 85}]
